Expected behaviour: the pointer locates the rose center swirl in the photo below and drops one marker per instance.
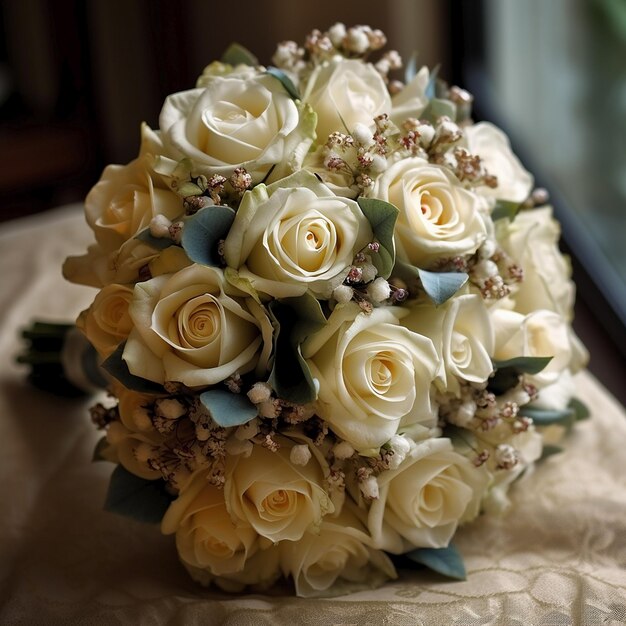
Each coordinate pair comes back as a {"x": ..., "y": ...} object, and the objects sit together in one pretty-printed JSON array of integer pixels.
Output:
[{"x": 198, "y": 322}]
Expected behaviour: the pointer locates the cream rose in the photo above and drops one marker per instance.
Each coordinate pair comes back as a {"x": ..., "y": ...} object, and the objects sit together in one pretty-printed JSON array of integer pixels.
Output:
[
  {"x": 374, "y": 375},
  {"x": 188, "y": 329},
  {"x": 338, "y": 557},
  {"x": 422, "y": 502},
  {"x": 411, "y": 100},
  {"x": 106, "y": 323},
  {"x": 279, "y": 500},
  {"x": 532, "y": 241},
  {"x": 206, "y": 535},
  {"x": 345, "y": 93},
  {"x": 123, "y": 202},
  {"x": 462, "y": 333},
  {"x": 133, "y": 450},
  {"x": 438, "y": 218},
  {"x": 295, "y": 236},
  {"x": 538, "y": 334},
  {"x": 234, "y": 121},
  {"x": 494, "y": 148}
]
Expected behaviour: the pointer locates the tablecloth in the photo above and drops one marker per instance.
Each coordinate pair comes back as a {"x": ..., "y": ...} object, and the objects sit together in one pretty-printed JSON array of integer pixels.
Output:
[{"x": 557, "y": 558}]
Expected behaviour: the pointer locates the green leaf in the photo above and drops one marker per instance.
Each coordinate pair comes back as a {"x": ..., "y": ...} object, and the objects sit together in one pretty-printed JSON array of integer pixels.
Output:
[
  {"x": 445, "y": 561},
  {"x": 581, "y": 410},
  {"x": 228, "y": 409},
  {"x": 430, "y": 91},
  {"x": 203, "y": 231},
  {"x": 505, "y": 209},
  {"x": 441, "y": 286},
  {"x": 236, "y": 54},
  {"x": 382, "y": 217},
  {"x": 438, "y": 107},
  {"x": 141, "y": 499},
  {"x": 117, "y": 367},
  {"x": 525, "y": 364},
  {"x": 411, "y": 68},
  {"x": 549, "y": 451},
  {"x": 158, "y": 243},
  {"x": 286, "y": 82},
  {"x": 545, "y": 417},
  {"x": 294, "y": 319},
  {"x": 101, "y": 446}
]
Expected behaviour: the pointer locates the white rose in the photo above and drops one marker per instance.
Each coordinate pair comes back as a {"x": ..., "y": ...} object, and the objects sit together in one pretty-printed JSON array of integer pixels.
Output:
[
  {"x": 232, "y": 122},
  {"x": 188, "y": 329},
  {"x": 287, "y": 238},
  {"x": 338, "y": 557},
  {"x": 217, "y": 68},
  {"x": 462, "y": 334},
  {"x": 411, "y": 100},
  {"x": 279, "y": 500},
  {"x": 421, "y": 503},
  {"x": 106, "y": 323},
  {"x": 374, "y": 375},
  {"x": 206, "y": 536},
  {"x": 123, "y": 202},
  {"x": 493, "y": 147},
  {"x": 531, "y": 240},
  {"x": 438, "y": 219},
  {"x": 345, "y": 93},
  {"x": 539, "y": 334}
]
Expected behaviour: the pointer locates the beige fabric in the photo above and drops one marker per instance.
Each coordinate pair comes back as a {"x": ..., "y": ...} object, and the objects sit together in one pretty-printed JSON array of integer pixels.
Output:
[{"x": 558, "y": 558}]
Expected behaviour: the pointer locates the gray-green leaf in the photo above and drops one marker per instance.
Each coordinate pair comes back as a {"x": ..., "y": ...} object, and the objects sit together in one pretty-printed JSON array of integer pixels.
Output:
[
  {"x": 158, "y": 243},
  {"x": 117, "y": 367},
  {"x": 236, "y": 54},
  {"x": 438, "y": 107},
  {"x": 505, "y": 209},
  {"x": 228, "y": 409},
  {"x": 285, "y": 81},
  {"x": 545, "y": 417},
  {"x": 203, "y": 231},
  {"x": 445, "y": 561},
  {"x": 441, "y": 286},
  {"x": 382, "y": 217}
]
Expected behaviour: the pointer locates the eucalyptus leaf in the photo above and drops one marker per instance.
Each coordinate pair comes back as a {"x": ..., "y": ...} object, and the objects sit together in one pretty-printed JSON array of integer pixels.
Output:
[
  {"x": 411, "y": 68},
  {"x": 228, "y": 409},
  {"x": 545, "y": 417},
  {"x": 285, "y": 81},
  {"x": 203, "y": 231},
  {"x": 505, "y": 209},
  {"x": 132, "y": 496},
  {"x": 294, "y": 319},
  {"x": 236, "y": 54},
  {"x": 525, "y": 364},
  {"x": 430, "y": 91},
  {"x": 116, "y": 366},
  {"x": 189, "y": 189},
  {"x": 98, "y": 451},
  {"x": 445, "y": 561},
  {"x": 438, "y": 107},
  {"x": 581, "y": 410},
  {"x": 382, "y": 217},
  {"x": 549, "y": 451},
  {"x": 441, "y": 286},
  {"x": 158, "y": 243}
]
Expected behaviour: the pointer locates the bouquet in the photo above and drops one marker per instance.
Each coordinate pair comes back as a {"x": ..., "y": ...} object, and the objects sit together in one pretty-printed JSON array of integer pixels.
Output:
[{"x": 334, "y": 317}]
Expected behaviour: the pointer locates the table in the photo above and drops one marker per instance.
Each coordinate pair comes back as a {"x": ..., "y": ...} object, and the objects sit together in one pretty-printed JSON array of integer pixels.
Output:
[{"x": 558, "y": 558}]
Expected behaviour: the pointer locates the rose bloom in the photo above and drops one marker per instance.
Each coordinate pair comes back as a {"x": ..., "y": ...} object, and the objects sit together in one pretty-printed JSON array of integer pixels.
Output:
[
  {"x": 338, "y": 557},
  {"x": 231, "y": 122},
  {"x": 493, "y": 147},
  {"x": 374, "y": 375},
  {"x": 106, "y": 323},
  {"x": 532, "y": 241},
  {"x": 206, "y": 536},
  {"x": 295, "y": 235},
  {"x": 345, "y": 93},
  {"x": 268, "y": 493},
  {"x": 411, "y": 100},
  {"x": 133, "y": 449},
  {"x": 123, "y": 202},
  {"x": 188, "y": 329},
  {"x": 422, "y": 502},
  {"x": 462, "y": 334},
  {"x": 438, "y": 219}
]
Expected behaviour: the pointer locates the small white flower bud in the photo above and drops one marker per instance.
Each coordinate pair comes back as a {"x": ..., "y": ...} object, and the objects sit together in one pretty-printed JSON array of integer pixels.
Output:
[
  {"x": 202, "y": 432},
  {"x": 369, "y": 488},
  {"x": 426, "y": 133},
  {"x": 267, "y": 409},
  {"x": 520, "y": 397},
  {"x": 464, "y": 414},
  {"x": 169, "y": 408},
  {"x": 379, "y": 290},
  {"x": 247, "y": 431},
  {"x": 400, "y": 447},
  {"x": 363, "y": 135},
  {"x": 141, "y": 417},
  {"x": 357, "y": 41},
  {"x": 343, "y": 450},
  {"x": 488, "y": 249},
  {"x": 300, "y": 454},
  {"x": 368, "y": 272},
  {"x": 143, "y": 452},
  {"x": 378, "y": 165},
  {"x": 485, "y": 269},
  {"x": 234, "y": 446},
  {"x": 336, "y": 33},
  {"x": 260, "y": 392},
  {"x": 159, "y": 226},
  {"x": 506, "y": 456},
  {"x": 343, "y": 294}
]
